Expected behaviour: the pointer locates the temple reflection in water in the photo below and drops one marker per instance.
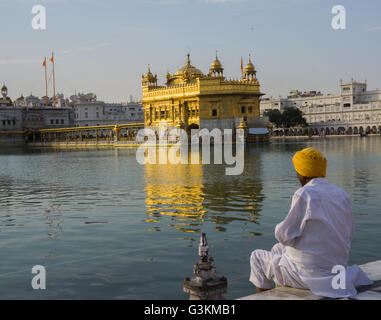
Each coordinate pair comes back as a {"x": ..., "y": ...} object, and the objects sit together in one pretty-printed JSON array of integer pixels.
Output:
[{"x": 186, "y": 196}]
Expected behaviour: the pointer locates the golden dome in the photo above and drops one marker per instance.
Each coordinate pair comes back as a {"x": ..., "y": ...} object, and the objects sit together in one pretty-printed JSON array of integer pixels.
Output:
[
  {"x": 185, "y": 74},
  {"x": 216, "y": 66},
  {"x": 149, "y": 78},
  {"x": 250, "y": 72},
  {"x": 149, "y": 73},
  {"x": 189, "y": 70},
  {"x": 249, "y": 67}
]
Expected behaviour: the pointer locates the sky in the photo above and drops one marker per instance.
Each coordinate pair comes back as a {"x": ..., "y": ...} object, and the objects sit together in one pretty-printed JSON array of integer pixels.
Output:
[{"x": 105, "y": 46}]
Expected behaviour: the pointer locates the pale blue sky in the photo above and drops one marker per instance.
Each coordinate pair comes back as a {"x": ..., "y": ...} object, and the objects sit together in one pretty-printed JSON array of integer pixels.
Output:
[{"x": 105, "y": 46}]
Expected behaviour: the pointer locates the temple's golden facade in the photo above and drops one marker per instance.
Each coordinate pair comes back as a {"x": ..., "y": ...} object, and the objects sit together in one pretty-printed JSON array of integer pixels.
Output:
[{"x": 190, "y": 99}]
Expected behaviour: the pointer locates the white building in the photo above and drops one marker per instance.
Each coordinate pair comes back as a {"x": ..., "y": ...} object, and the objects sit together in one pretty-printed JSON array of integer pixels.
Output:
[
  {"x": 90, "y": 112},
  {"x": 32, "y": 113},
  {"x": 354, "y": 110},
  {"x": 33, "y": 101}
]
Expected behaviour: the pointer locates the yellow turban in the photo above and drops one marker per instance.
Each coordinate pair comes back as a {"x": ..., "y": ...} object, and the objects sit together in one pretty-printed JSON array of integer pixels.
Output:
[{"x": 310, "y": 163}]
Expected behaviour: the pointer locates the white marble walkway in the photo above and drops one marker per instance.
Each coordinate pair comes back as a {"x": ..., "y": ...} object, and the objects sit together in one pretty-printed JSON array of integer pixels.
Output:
[{"x": 373, "y": 292}]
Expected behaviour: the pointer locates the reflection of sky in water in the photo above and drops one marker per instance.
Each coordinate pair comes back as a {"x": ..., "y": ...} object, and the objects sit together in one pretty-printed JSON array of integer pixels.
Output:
[{"x": 89, "y": 216}]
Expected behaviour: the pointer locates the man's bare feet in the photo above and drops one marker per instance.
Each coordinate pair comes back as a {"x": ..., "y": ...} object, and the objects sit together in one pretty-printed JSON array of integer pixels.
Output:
[{"x": 259, "y": 290}]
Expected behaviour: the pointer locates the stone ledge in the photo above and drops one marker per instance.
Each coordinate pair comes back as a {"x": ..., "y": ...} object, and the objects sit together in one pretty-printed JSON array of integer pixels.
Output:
[{"x": 373, "y": 292}]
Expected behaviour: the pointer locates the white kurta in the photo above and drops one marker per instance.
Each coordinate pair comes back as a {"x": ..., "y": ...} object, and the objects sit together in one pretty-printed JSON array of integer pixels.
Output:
[{"x": 314, "y": 237}]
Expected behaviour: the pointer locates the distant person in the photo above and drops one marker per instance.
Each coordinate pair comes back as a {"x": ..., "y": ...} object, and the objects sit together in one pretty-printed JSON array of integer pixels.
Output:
[{"x": 314, "y": 237}]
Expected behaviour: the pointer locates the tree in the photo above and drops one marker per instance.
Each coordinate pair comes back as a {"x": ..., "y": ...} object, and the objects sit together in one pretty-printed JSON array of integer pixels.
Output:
[
  {"x": 275, "y": 116},
  {"x": 292, "y": 117}
]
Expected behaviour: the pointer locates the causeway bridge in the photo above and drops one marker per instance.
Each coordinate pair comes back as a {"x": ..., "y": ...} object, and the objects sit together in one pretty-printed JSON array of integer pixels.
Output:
[
  {"x": 103, "y": 135},
  {"x": 114, "y": 135}
]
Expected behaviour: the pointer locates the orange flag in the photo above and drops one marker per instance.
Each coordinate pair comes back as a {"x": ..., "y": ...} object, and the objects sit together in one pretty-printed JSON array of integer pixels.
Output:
[
  {"x": 44, "y": 63},
  {"x": 52, "y": 58}
]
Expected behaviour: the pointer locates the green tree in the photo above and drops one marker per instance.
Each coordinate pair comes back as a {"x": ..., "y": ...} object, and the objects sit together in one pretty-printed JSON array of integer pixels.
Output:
[
  {"x": 291, "y": 117},
  {"x": 275, "y": 116}
]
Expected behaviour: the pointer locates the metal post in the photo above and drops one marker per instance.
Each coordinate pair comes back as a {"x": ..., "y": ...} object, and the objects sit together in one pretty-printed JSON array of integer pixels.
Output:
[{"x": 116, "y": 132}]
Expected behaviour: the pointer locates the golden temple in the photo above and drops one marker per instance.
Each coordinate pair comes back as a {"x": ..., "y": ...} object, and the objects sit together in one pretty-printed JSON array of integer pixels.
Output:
[{"x": 193, "y": 100}]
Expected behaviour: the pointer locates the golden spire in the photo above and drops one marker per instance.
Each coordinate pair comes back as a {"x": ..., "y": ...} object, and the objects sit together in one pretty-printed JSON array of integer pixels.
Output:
[
  {"x": 187, "y": 73},
  {"x": 216, "y": 68},
  {"x": 250, "y": 70},
  {"x": 149, "y": 78}
]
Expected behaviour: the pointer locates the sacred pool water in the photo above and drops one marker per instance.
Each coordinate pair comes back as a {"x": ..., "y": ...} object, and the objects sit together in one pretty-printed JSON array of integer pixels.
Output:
[{"x": 106, "y": 227}]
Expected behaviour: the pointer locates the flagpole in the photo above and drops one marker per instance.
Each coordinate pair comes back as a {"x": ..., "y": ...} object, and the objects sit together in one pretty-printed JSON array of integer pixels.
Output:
[
  {"x": 241, "y": 68},
  {"x": 46, "y": 84},
  {"x": 54, "y": 83}
]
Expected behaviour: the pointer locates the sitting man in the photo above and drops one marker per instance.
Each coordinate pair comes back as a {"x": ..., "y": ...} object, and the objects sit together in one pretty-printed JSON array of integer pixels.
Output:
[{"x": 314, "y": 238}]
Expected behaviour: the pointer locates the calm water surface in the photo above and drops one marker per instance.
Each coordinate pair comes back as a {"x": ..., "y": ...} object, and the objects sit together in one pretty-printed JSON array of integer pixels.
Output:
[{"x": 106, "y": 227}]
